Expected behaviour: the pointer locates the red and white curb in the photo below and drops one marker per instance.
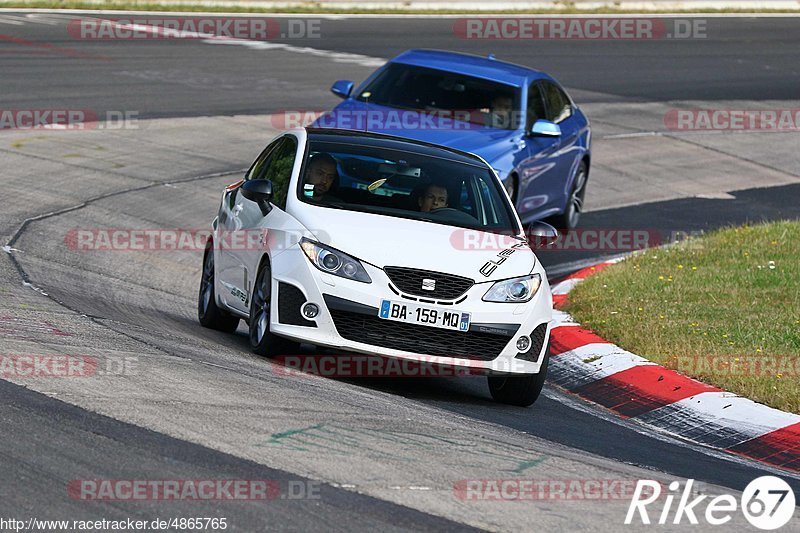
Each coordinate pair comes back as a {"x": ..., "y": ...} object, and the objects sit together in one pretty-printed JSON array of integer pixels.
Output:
[{"x": 633, "y": 387}]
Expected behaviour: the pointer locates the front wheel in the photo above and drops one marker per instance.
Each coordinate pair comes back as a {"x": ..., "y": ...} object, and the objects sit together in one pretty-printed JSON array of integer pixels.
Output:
[
  {"x": 262, "y": 340},
  {"x": 521, "y": 390},
  {"x": 208, "y": 313}
]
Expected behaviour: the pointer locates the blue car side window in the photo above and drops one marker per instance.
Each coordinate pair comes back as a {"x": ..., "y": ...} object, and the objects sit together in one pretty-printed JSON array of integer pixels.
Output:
[
  {"x": 559, "y": 107},
  {"x": 535, "y": 109}
]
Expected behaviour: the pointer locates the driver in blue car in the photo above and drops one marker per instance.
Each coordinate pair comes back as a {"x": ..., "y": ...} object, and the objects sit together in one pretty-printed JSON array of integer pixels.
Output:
[{"x": 434, "y": 197}]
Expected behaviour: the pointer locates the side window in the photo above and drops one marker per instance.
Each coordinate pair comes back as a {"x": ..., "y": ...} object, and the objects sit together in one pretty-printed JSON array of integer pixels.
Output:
[
  {"x": 258, "y": 167},
  {"x": 278, "y": 169},
  {"x": 535, "y": 109},
  {"x": 558, "y": 104},
  {"x": 466, "y": 202}
]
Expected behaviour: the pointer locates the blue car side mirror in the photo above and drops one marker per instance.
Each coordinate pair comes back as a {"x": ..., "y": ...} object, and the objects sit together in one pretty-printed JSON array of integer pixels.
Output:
[
  {"x": 545, "y": 128},
  {"x": 342, "y": 88}
]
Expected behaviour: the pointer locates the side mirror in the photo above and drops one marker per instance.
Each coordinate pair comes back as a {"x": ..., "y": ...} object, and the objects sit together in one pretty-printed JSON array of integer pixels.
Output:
[
  {"x": 342, "y": 88},
  {"x": 260, "y": 192},
  {"x": 545, "y": 128},
  {"x": 541, "y": 234}
]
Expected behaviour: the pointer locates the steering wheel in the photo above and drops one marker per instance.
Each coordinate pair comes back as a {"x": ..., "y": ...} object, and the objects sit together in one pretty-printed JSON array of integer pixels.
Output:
[{"x": 455, "y": 215}]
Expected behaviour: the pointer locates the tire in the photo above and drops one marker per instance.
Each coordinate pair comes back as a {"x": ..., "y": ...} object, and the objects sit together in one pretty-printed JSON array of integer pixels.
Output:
[
  {"x": 511, "y": 188},
  {"x": 572, "y": 212},
  {"x": 519, "y": 390},
  {"x": 208, "y": 313},
  {"x": 262, "y": 340}
]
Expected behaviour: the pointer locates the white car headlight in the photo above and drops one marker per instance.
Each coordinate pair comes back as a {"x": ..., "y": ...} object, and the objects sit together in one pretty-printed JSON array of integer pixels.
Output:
[
  {"x": 515, "y": 290},
  {"x": 334, "y": 262}
]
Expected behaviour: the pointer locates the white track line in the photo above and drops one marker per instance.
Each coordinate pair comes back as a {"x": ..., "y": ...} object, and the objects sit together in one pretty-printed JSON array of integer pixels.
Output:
[
  {"x": 8, "y": 19},
  {"x": 336, "y": 57},
  {"x": 41, "y": 18},
  {"x": 207, "y": 38}
]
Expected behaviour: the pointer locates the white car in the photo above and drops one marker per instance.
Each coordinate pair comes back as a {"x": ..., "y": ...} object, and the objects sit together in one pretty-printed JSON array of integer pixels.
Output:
[{"x": 374, "y": 244}]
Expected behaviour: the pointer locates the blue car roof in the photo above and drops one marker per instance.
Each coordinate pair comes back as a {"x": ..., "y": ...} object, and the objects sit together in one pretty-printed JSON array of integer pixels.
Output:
[{"x": 472, "y": 65}]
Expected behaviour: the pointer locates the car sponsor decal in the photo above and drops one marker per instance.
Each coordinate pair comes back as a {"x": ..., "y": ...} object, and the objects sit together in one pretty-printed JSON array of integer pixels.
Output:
[
  {"x": 237, "y": 293},
  {"x": 490, "y": 266}
]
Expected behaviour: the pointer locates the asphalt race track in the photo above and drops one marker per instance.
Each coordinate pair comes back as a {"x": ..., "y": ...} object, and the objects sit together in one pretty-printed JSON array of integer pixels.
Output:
[{"x": 378, "y": 453}]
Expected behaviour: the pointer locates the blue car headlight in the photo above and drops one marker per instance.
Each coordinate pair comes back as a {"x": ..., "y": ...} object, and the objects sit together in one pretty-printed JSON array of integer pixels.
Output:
[
  {"x": 514, "y": 290},
  {"x": 334, "y": 262}
]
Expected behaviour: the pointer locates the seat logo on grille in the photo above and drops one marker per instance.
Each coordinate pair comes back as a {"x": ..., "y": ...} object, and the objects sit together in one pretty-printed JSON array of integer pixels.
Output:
[{"x": 428, "y": 284}]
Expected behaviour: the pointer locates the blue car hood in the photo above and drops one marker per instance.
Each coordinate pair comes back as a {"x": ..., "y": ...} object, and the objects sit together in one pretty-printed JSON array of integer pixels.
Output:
[{"x": 489, "y": 143}]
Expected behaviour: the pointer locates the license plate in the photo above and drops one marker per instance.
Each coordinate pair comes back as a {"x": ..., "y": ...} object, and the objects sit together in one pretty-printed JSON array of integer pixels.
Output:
[{"x": 436, "y": 317}]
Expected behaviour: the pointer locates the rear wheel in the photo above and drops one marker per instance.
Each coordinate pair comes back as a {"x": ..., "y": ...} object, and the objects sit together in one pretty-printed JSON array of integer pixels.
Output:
[
  {"x": 208, "y": 313},
  {"x": 572, "y": 214},
  {"x": 521, "y": 390},
  {"x": 262, "y": 340}
]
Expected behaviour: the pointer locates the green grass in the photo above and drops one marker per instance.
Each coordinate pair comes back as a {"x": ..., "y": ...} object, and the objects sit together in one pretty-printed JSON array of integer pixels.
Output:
[
  {"x": 723, "y": 308},
  {"x": 133, "y": 5}
]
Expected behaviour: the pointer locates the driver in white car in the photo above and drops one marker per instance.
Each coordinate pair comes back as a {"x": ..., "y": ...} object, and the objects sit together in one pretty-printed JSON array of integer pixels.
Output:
[
  {"x": 322, "y": 174},
  {"x": 434, "y": 197}
]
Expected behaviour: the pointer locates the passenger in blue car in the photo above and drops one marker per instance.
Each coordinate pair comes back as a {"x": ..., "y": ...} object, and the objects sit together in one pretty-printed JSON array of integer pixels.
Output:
[{"x": 501, "y": 112}]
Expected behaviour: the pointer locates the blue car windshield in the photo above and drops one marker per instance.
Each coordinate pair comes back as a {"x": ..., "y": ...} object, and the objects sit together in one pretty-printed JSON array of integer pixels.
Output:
[
  {"x": 405, "y": 184},
  {"x": 446, "y": 94}
]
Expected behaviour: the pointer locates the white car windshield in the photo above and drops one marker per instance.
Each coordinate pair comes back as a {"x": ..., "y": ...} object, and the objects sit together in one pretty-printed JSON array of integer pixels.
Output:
[{"x": 378, "y": 179}]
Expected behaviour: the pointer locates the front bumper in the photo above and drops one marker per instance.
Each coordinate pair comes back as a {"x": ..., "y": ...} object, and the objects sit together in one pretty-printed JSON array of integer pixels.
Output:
[{"x": 348, "y": 320}]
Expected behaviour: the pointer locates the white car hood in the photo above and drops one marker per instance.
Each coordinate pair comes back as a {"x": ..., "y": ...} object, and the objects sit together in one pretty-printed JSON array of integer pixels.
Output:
[{"x": 391, "y": 241}]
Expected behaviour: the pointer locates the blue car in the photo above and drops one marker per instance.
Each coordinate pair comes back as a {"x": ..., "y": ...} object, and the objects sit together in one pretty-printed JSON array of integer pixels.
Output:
[{"x": 519, "y": 120}]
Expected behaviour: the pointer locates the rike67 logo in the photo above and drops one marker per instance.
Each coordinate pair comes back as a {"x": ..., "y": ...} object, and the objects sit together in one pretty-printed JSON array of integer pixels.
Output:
[{"x": 767, "y": 503}]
